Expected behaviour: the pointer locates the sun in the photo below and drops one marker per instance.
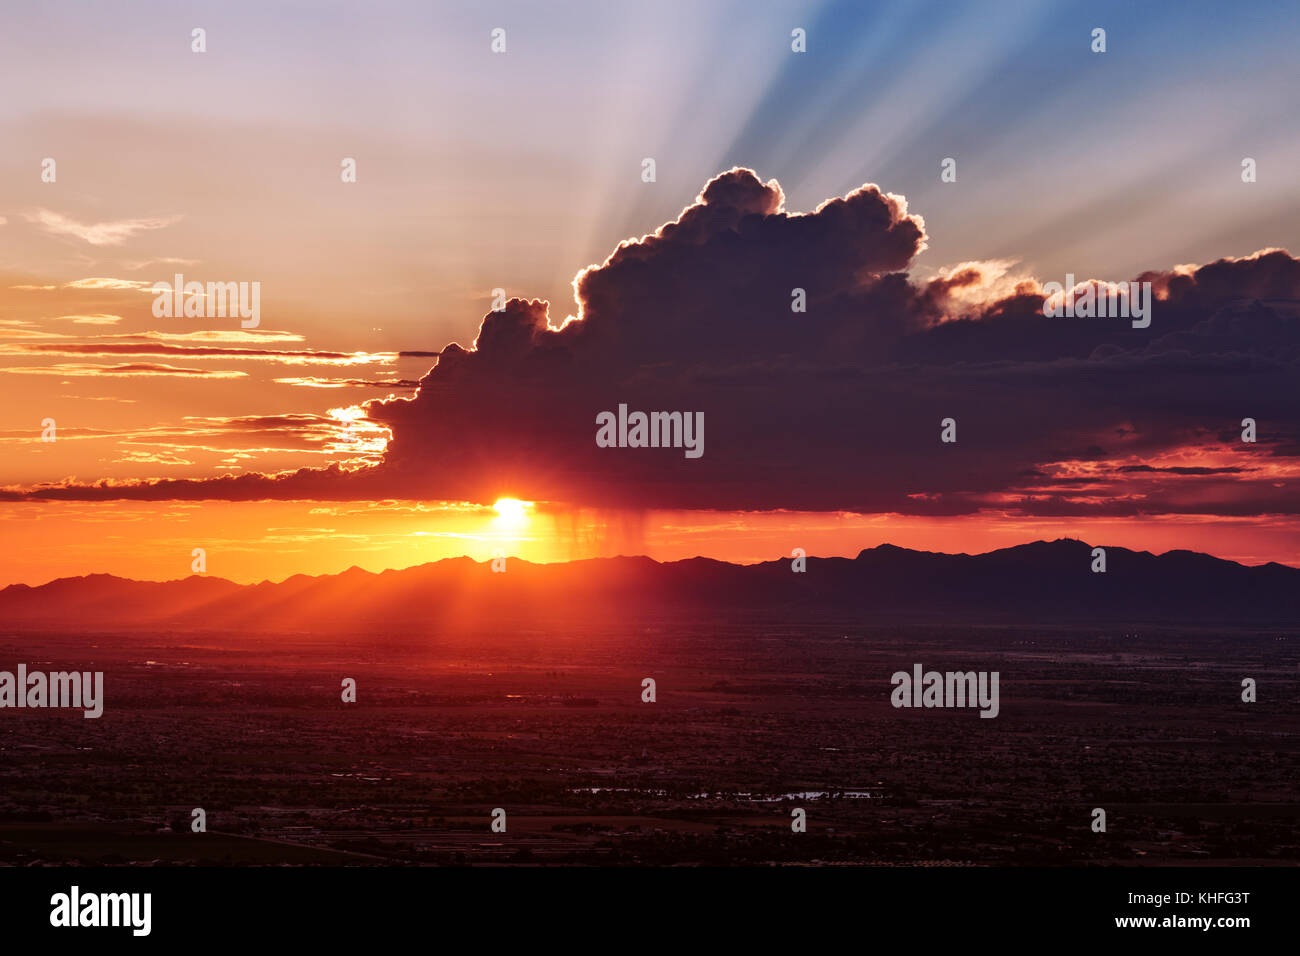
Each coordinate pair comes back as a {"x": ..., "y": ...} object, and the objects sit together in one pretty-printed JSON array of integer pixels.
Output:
[{"x": 512, "y": 511}]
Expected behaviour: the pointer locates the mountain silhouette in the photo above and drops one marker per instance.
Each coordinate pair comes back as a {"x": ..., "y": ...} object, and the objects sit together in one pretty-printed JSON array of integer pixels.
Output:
[{"x": 1042, "y": 583}]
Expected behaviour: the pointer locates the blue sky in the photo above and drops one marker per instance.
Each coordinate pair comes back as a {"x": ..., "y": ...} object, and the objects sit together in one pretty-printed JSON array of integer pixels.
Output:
[{"x": 482, "y": 171}]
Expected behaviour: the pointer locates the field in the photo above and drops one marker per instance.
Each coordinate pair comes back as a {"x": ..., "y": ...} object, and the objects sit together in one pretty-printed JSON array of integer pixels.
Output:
[{"x": 752, "y": 720}]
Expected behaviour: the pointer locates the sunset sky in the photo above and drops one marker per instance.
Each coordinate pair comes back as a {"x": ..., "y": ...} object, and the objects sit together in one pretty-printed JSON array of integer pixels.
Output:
[{"x": 478, "y": 170}]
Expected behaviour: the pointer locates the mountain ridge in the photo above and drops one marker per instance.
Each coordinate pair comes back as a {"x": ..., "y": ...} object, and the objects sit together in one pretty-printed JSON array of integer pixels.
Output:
[{"x": 1039, "y": 581}]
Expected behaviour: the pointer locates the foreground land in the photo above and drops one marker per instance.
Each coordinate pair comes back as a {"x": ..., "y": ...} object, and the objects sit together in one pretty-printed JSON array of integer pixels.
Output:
[{"x": 752, "y": 720}]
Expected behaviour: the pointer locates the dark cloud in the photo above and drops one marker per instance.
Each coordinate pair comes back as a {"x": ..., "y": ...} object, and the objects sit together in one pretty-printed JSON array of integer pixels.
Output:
[{"x": 839, "y": 407}]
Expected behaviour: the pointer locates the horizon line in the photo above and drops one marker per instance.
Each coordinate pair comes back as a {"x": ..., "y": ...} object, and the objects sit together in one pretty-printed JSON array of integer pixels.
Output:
[{"x": 646, "y": 557}]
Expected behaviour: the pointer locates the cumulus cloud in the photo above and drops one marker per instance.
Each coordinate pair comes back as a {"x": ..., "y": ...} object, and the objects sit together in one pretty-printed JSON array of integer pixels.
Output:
[{"x": 839, "y": 407}]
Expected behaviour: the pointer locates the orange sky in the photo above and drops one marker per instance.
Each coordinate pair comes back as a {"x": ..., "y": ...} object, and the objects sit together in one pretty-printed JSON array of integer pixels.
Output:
[{"x": 254, "y": 541}]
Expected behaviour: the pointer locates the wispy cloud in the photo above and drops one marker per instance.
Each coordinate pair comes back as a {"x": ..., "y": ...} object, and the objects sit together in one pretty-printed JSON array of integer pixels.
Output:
[
  {"x": 227, "y": 336},
  {"x": 97, "y": 234},
  {"x": 285, "y": 356},
  {"x": 96, "y": 318},
  {"x": 139, "y": 369},
  {"x": 137, "y": 264},
  {"x": 134, "y": 457},
  {"x": 100, "y": 398},
  {"x": 311, "y": 381},
  {"x": 9, "y": 332},
  {"x": 98, "y": 282}
]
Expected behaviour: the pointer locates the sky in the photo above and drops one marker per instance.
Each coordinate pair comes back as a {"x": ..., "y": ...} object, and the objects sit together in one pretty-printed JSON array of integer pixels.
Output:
[{"x": 478, "y": 171}]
